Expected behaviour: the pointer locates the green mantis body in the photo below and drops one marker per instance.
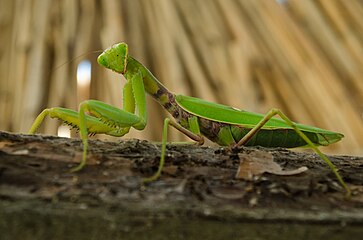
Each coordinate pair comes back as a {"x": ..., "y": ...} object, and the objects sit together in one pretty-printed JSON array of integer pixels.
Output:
[{"x": 194, "y": 117}]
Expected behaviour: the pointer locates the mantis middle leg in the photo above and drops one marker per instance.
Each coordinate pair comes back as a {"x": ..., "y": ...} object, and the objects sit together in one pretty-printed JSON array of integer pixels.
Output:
[{"x": 193, "y": 134}]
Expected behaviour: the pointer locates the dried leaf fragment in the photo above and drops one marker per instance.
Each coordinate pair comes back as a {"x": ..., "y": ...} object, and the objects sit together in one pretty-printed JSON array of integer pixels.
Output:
[{"x": 257, "y": 163}]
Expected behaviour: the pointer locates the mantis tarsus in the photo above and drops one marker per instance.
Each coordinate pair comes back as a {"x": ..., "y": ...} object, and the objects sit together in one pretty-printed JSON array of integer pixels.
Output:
[{"x": 194, "y": 117}]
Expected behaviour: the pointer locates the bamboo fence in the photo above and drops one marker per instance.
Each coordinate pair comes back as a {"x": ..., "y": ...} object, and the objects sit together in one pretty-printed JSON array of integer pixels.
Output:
[{"x": 305, "y": 57}]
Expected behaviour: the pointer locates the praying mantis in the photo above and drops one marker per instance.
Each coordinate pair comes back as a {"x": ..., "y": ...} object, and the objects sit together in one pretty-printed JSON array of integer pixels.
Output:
[{"x": 194, "y": 117}]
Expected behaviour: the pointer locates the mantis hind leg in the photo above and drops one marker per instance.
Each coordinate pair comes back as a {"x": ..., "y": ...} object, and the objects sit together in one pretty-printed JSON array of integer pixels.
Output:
[
  {"x": 274, "y": 112},
  {"x": 194, "y": 135}
]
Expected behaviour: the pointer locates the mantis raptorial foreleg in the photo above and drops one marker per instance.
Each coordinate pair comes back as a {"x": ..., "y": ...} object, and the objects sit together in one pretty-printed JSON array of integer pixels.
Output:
[
  {"x": 114, "y": 116},
  {"x": 70, "y": 117},
  {"x": 95, "y": 117},
  {"x": 274, "y": 112}
]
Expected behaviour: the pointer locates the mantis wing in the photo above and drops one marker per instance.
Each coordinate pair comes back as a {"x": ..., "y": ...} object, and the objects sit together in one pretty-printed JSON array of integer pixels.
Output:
[{"x": 226, "y": 114}]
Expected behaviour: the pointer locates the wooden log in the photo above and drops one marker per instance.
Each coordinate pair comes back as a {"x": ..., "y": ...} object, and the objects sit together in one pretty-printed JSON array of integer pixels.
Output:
[{"x": 197, "y": 196}]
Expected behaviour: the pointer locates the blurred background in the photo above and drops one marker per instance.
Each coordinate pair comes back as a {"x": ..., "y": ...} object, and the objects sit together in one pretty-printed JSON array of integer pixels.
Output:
[{"x": 304, "y": 57}]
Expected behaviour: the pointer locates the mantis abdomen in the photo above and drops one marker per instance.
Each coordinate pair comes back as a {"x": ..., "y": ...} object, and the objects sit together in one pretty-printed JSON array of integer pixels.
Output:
[
  {"x": 281, "y": 138},
  {"x": 227, "y": 126},
  {"x": 229, "y": 135}
]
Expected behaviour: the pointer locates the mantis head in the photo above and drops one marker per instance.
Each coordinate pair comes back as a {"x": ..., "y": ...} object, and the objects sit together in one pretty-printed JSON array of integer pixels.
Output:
[{"x": 115, "y": 58}]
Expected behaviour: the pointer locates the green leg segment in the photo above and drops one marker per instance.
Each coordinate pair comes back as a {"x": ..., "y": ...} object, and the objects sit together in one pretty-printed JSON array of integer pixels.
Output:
[
  {"x": 70, "y": 117},
  {"x": 102, "y": 121},
  {"x": 274, "y": 112},
  {"x": 96, "y": 117},
  {"x": 110, "y": 115},
  {"x": 193, "y": 135}
]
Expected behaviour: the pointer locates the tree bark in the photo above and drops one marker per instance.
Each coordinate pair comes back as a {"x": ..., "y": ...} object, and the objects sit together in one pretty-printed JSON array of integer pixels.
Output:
[{"x": 197, "y": 196}]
